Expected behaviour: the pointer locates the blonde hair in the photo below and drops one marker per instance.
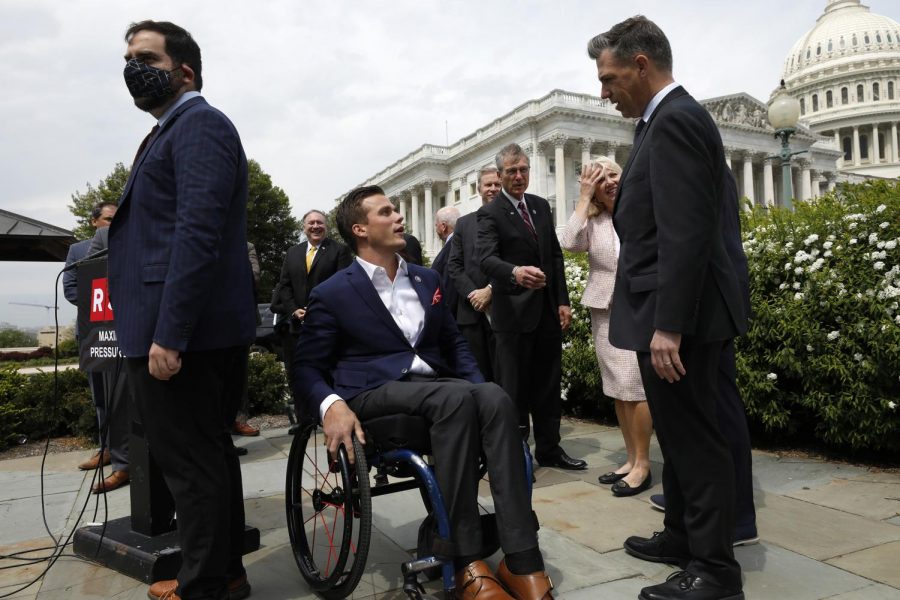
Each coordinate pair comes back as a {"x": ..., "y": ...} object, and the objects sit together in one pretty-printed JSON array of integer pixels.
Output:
[{"x": 610, "y": 165}]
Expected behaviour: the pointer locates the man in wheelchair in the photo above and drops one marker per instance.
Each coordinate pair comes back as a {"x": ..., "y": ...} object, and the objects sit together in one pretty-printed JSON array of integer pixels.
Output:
[{"x": 379, "y": 340}]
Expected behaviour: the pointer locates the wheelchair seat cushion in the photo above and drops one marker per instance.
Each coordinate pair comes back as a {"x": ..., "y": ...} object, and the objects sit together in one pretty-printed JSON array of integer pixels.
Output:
[{"x": 395, "y": 432}]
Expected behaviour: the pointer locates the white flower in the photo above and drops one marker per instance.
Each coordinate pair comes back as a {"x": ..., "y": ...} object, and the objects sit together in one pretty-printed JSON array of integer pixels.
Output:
[
  {"x": 880, "y": 245},
  {"x": 772, "y": 377},
  {"x": 788, "y": 265},
  {"x": 828, "y": 245},
  {"x": 810, "y": 239},
  {"x": 884, "y": 225},
  {"x": 816, "y": 265},
  {"x": 852, "y": 241},
  {"x": 852, "y": 225},
  {"x": 798, "y": 296},
  {"x": 809, "y": 348},
  {"x": 857, "y": 356},
  {"x": 830, "y": 238},
  {"x": 878, "y": 266},
  {"x": 798, "y": 270},
  {"x": 796, "y": 285},
  {"x": 881, "y": 208},
  {"x": 890, "y": 245},
  {"x": 873, "y": 237},
  {"x": 833, "y": 335},
  {"x": 782, "y": 286},
  {"x": 827, "y": 253},
  {"x": 892, "y": 405}
]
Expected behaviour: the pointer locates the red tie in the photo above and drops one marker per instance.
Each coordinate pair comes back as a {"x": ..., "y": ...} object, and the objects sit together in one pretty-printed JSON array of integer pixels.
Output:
[
  {"x": 144, "y": 144},
  {"x": 525, "y": 217}
]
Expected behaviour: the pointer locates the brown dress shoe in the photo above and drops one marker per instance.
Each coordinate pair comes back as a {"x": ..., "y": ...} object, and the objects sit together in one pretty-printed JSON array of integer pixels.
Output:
[
  {"x": 534, "y": 586},
  {"x": 244, "y": 429},
  {"x": 238, "y": 588},
  {"x": 476, "y": 581},
  {"x": 94, "y": 461},
  {"x": 116, "y": 480},
  {"x": 164, "y": 590}
]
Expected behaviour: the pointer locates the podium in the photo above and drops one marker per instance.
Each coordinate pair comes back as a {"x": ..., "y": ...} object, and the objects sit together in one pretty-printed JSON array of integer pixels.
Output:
[{"x": 145, "y": 544}]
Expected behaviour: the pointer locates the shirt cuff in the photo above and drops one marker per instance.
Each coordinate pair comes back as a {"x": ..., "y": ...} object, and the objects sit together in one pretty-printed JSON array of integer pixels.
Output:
[{"x": 326, "y": 404}]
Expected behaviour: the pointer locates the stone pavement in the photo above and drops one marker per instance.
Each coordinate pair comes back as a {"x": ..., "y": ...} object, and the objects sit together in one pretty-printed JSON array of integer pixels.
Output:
[{"x": 828, "y": 530}]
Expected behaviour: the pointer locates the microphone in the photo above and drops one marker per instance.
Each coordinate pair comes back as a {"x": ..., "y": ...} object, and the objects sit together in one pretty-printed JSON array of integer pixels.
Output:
[{"x": 97, "y": 254}]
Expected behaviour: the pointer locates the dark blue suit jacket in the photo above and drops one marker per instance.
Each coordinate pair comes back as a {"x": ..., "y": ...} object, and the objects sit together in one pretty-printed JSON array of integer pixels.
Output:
[
  {"x": 178, "y": 269},
  {"x": 350, "y": 343},
  {"x": 77, "y": 251}
]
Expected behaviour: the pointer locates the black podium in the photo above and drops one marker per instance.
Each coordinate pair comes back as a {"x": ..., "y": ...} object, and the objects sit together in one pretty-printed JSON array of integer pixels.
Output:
[{"x": 144, "y": 545}]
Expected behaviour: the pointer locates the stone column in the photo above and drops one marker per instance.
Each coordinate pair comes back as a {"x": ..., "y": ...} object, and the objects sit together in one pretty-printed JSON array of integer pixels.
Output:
[
  {"x": 429, "y": 217},
  {"x": 586, "y": 144},
  {"x": 768, "y": 183},
  {"x": 894, "y": 155},
  {"x": 463, "y": 189},
  {"x": 534, "y": 161},
  {"x": 414, "y": 207},
  {"x": 611, "y": 151},
  {"x": 831, "y": 177},
  {"x": 805, "y": 181},
  {"x": 748, "y": 177},
  {"x": 855, "y": 145},
  {"x": 404, "y": 211},
  {"x": 728, "y": 153},
  {"x": 559, "y": 144},
  {"x": 875, "y": 151},
  {"x": 837, "y": 142}
]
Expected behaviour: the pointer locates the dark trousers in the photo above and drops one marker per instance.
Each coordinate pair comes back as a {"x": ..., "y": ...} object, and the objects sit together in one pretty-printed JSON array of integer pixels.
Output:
[
  {"x": 698, "y": 474},
  {"x": 465, "y": 418},
  {"x": 733, "y": 423},
  {"x": 528, "y": 366},
  {"x": 187, "y": 422},
  {"x": 115, "y": 422},
  {"x": 481, "y": 342}
]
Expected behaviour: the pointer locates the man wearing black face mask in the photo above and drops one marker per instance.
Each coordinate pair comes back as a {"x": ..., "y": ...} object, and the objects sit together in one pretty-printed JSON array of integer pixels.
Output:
[{"x": 182, "y": 291}]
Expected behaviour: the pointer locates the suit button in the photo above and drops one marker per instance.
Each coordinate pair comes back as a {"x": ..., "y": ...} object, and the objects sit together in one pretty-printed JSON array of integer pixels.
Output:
[{"x": 404, "y": 371}]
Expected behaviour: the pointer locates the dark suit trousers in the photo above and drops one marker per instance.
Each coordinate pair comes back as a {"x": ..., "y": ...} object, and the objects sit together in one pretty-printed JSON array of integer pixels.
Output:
[
  {"x": 481, "y": 342},
  {"x": 529, "y": 367},
  {"x": 465, "y": 418},
  {"x": 733, "y": 423},
  {"x": 116, "y": 420},
  {"x": 187, "y": 422},
  {"x": 698, "y": 474}
]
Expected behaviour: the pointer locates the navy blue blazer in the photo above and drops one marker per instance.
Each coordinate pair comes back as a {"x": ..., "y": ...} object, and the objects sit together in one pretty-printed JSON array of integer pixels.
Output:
[
  {"x": 178, "y": 269},
  {"x": 77, "y": 251},
  {"x": 350, "y": 343}
]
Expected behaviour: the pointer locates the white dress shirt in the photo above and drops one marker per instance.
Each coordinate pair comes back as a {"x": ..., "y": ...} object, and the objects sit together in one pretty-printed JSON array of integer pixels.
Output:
[
  {"x": 402, "y": 301},
  {"x": 654, "y": 102}
]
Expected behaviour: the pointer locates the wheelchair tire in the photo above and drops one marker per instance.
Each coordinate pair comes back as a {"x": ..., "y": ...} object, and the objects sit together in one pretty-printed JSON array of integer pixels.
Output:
[{"x": 329, "y": 514}]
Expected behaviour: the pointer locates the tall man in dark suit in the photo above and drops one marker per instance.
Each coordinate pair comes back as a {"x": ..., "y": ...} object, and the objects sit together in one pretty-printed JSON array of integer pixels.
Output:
[
  {"x": 379, "y": 340},
  {"x": 472, "y": 285},
  {"x": 520, "y": 253},
  {"x": 305, "y": 266},
  {"x": 182, "y": 292},
  {"x": 676, "y": 301},
  {"x": 102, "y": 215},
  {"x": 445, "y": 226}
]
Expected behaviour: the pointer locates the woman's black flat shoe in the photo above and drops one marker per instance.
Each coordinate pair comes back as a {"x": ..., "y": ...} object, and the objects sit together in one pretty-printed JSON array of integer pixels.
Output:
[
  {"x": 621, "y": 488},
  {"x": 611, "y": 477}
]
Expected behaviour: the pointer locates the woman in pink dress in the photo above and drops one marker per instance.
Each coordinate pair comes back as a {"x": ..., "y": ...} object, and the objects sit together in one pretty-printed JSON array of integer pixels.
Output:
[{"x": 590, "y": 229}]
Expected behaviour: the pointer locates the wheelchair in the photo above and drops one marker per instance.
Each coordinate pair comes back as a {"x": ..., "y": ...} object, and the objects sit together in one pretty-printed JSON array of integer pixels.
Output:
[{"x": 328, "y": 502}]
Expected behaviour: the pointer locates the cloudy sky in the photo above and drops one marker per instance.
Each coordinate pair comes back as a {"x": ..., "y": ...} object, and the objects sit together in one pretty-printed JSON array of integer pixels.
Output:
[{"x": 326, "y": 93}]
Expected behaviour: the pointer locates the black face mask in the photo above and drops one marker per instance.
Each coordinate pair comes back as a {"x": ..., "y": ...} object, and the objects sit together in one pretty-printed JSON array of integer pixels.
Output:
[{"x": 144, "y": 81}]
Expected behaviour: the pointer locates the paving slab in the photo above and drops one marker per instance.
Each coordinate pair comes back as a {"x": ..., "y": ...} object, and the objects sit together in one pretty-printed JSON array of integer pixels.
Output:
[
  {"x": 27, "y": 484},
  {"x": 894, "y": 521},
  {"x": 879, "y": 563},
  {"x": 265, "y": 478},
  {"x": 621, "y": 589},
  {"x": 574, "y": 566},
  {"x": 879, "y": 501},
  {"x": 817, "y": 531},
  {"x": 778, "y": 475},
  {"x": 870, "y": 592},
  {"x": 22, "y": 519}
]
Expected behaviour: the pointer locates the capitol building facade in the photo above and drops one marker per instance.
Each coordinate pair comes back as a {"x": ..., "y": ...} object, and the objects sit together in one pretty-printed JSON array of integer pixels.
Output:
[{"x": 561, "y": 131}]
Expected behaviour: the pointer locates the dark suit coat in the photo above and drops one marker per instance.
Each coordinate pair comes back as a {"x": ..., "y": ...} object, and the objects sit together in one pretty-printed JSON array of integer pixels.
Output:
[
  {"x": 440, "y": 264},
  {"x": 77, "y": 251},
  {"x": 295, "y": 284},
  {"x": 504, "y": 242},
  {"x": 413, "y": 251},
  {"x": 350, "y": 343},
  {"x": 178, "y": 269},
  {"x": 674, "y": 273},
  {"x": 465, "y": 268}
]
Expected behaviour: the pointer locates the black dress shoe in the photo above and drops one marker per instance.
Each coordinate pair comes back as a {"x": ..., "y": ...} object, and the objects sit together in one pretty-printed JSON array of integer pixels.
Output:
[
  {"x": 611, "y": 477},
  {"x": 681, "y": 585},
  {"x": 621, "y": 488},
  {"x": 561, "y": 460},
  {"x": 659, "y": 548}
]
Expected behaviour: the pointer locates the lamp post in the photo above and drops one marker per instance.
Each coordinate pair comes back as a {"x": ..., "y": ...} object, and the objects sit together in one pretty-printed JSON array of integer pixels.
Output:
[{"x": 784, "y": 112}]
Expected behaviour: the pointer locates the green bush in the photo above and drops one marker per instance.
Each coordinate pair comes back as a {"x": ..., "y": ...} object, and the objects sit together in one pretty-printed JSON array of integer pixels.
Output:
[
  {"x": 267, "y": 384},
  {"x": 822, "y": 357}
]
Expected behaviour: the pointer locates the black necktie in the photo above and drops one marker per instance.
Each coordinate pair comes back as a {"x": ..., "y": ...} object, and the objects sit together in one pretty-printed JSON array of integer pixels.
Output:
[
  {"x": 144, "y": 144},
  {"x": 639, "y": 128}
]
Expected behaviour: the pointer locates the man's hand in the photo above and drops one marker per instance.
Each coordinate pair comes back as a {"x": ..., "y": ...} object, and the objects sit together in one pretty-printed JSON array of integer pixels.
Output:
[
  {"x": 530, "y": 277},
  {"x": 565, "y": 316},
  {"x": 664, "y": 355},
  {"x": 339, "y": 424},
  {"x": 164, "y": 362},
  {"x": 299, "y": 314},
  {"x": 480, "y": 299}
]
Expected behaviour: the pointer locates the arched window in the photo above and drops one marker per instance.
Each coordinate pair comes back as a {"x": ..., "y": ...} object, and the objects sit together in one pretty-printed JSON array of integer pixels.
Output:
[
  {"x": 847, "y": 143},
  {"x": 808, "y": 53},
  {"x": 859, "y": 93},
  {"x": 843, "y": 43},
  {"x": 830, "y": 46},
  {"x": 855, "y": 41},
  {"x": 829, "y": 99},
  {"x": 866, "y": 38},
  {"x": 815, "y": 102},
  {"x": 890, "y": 90},
  {"x": 845, "y": 96},
  {"x": 802, "y": 106},
  {"x": 819, "y": 50},
  {"x": 876, "y": 92},
  {"x": 864, "y": 147},
  {"x": 878, "y": 37}
]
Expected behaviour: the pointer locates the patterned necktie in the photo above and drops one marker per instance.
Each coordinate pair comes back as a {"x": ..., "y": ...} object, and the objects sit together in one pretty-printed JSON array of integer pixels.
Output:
[
  {"x": 310, "y": 254},
  {"x": 527, "y": 218},
  {"x": 144, "y": 144}
]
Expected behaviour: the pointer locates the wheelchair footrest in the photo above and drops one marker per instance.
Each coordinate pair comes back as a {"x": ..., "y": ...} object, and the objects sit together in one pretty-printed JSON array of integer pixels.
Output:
[{"x": 413, "y": 567}]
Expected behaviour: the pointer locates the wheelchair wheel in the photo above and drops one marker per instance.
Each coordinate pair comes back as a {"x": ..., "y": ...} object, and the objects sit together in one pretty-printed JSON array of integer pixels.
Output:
[{"x": 329, "y": 513}]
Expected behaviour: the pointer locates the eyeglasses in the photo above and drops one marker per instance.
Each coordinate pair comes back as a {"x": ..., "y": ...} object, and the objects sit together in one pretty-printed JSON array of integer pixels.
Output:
[{"x": 516, "y": 170}]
